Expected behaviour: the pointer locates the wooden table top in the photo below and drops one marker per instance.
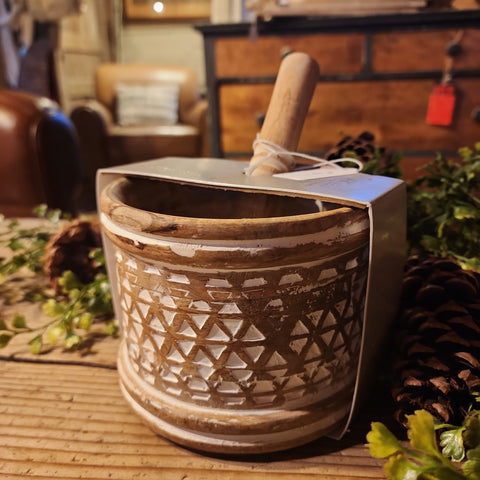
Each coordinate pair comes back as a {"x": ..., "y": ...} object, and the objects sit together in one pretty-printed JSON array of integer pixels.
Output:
[{"x": 62, "y": 416}]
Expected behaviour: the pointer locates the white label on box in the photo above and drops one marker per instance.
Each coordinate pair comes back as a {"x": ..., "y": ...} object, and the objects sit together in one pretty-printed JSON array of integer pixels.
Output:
[{"x": 317, "y": 172}]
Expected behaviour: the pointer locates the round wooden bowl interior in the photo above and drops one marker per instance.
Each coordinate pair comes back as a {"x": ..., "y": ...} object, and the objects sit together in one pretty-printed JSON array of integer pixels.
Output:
[{"x": 164, "y": 207}]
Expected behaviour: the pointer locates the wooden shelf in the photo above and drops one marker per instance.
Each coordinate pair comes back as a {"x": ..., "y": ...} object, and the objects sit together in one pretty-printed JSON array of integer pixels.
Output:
[{"x": 428, "y": 19}]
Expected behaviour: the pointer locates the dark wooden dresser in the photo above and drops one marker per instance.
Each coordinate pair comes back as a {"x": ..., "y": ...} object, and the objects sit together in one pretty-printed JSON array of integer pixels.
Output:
[{"x": 377, "y": 74}]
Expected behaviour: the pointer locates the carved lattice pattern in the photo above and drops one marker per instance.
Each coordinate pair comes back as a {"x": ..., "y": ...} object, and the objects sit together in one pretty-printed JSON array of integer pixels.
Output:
[{"x": 244, "y": 339}]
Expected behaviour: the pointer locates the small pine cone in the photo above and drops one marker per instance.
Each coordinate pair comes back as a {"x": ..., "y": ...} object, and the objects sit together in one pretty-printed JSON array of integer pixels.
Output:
[
  {"x": 362, "y": 146},
  {"x": 437, "y": 366},
  {"x": 69, "y": 249}
]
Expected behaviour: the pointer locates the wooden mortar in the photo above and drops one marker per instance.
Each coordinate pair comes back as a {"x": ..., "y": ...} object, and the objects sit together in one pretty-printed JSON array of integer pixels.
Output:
[{"x": 242, "y": 312}]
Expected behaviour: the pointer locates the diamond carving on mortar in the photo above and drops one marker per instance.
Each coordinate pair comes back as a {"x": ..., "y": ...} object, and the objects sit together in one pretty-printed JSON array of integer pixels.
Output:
[{"x": 210, "y": 347}]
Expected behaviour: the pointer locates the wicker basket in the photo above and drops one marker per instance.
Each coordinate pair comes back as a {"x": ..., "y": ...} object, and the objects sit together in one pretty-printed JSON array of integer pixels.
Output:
[{"x": 241, "y": 312}]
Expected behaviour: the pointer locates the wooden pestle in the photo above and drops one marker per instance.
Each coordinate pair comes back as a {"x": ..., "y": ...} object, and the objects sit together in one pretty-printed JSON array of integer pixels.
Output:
[{"x": 292, "y": 93}]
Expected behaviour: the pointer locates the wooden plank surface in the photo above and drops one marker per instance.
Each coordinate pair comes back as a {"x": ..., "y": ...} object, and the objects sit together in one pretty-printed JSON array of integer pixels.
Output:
[
  {"x": 70, "y": 421},
  {"x": 97, "y": 348},
  {"x": 63, "y": 416}
]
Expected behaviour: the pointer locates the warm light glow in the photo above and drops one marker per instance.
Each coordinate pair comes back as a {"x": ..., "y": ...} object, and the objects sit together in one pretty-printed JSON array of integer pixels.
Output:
[
  {"x": 7, "y": 120},
  {"x": 158, "y": 7}
]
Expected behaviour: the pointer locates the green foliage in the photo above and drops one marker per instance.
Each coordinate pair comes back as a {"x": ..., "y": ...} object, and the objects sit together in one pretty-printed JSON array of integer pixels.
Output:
[
  {"x": 444, "y": 209},
  {"x": 74, "y": 311},
  {"x": 443, "y": 219},
  {"x": 36, "y": 344},
  {"x": 28, "y": 244},
  {"x": 78, "y": 309},
  {"x": 422, "y": 458},
  {"x": 452, "y": 443},
  {"x": 387, "y": 167}
]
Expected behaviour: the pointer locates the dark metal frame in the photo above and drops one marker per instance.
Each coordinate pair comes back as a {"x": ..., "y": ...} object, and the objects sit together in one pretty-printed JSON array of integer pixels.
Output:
[{"x": 426, "y": 20}]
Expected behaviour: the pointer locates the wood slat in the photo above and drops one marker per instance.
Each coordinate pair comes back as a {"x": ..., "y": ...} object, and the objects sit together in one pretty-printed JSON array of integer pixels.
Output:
[{"x": 71, "y": 421}]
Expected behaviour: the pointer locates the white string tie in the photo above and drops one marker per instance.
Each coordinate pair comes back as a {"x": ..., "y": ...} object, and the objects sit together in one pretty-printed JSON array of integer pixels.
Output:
[{"x": 273, "y": 152}]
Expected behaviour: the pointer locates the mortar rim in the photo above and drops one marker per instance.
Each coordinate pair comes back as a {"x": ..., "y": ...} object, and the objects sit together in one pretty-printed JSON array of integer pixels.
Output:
[{"x": 149, "y": 222}]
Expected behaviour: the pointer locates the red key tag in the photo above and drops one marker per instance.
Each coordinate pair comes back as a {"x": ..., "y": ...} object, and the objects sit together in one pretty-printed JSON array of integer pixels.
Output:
[{"x": 441, "y": 105}]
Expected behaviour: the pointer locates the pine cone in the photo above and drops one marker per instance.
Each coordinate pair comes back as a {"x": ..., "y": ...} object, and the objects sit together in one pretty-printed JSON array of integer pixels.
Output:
[
  {"x": 362, "y": 146},
  {"x": 437, "y": 366},
  {"x": 69, "y": 249}
]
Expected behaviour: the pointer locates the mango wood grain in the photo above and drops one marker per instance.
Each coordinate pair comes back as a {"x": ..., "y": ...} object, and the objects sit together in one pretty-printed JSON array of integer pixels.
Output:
[{"x": 64, "y": 422}]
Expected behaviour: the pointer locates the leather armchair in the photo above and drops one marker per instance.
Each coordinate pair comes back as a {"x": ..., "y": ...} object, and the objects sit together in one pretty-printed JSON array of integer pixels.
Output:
[
  {"x": 39, "y": 156},
  {"x": 104, "y": 142}
]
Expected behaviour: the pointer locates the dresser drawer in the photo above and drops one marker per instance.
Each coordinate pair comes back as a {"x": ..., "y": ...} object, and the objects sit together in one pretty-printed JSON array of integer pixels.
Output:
[
  {"x": 417, "y": 51},
  {"x": 240, "y": 57},
  {"x": 393, "y": 110},
  {"x": 376, "y": 73}
]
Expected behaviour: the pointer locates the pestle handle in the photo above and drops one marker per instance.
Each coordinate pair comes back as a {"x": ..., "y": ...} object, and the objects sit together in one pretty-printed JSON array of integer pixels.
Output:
[{"x": 286, "y": 113}]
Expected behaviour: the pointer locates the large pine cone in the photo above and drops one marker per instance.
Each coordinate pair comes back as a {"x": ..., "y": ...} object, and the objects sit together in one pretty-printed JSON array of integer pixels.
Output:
[
  {"x": 437, "y": 367},
  {"x": 70, "y": 249}
]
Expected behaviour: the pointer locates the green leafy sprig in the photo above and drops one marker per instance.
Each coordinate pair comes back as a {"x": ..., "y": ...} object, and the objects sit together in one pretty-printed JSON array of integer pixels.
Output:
[
  {"x": 443, "y": 204},
  {"x": 28, "y": 244},
  {"x": 422, "y": 458},
  {"x": 387, "y": 166},
  {"x": 444, "y": 209},
  {"x": 74, "y": 311},
  {"x": 82, "y": 305}
]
